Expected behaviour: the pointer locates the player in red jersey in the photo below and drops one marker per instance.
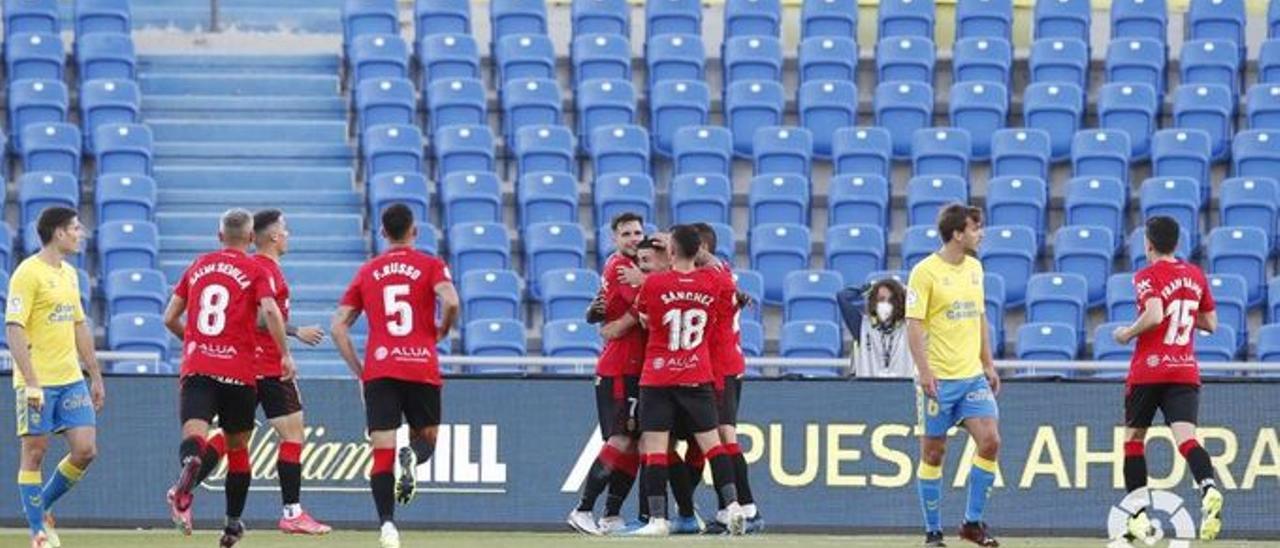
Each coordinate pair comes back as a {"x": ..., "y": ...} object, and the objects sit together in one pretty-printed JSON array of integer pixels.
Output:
[
  {"x": 400, "y": 371},
  {"x": 221, "y": 295},
  {"x": 1173, "y": 301},
  {"x": 679, "y": 307}
]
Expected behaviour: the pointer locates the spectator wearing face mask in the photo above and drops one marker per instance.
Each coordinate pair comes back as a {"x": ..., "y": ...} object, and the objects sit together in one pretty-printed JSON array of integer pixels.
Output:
[{"x": 882, "y": 336}]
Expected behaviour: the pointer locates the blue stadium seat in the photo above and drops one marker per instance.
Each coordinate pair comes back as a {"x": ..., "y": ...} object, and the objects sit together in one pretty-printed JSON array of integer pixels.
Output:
[
  {"x": 1105, "y": 347},
  {"x": 138, "y": 333},
  {"x": 1262, "y": 106},
  {"x": 806, "y": 339},
  {"x": 619, "y": 149},
  {"x": 471, "y": 197},
  {"x": 1209, "y": 108},
  {"x": 1269, "y": 343},
  {"x": 828, "y": 58},
  {"x": 1058, "y": 297},
  {"x": 810, "y": 295},
  {"x": 108, "y": 102},
  {"x": 410, "y": 189},
  {"x": 385, "y": 101},
  {"x": 105, "y": 56},
  {"x": 702, "y": 149},
  {"x": 1088, "y": 251},
  {"x": 490, "y": 295},
  {"x": 1101, "y": 153},
  {"x": 460, "y": 149},
  {"x": 521, "y": 56},
  {"x": 1250, "y": 202},
  {"x": 676, "y": 104},
  {"x": 1140, "y": 19},
  {"x": 124, "y": 148},
  {"x": 726, "y": 241},
  {"x": 829, "y": 18},
  {"x": 827, "y": 106},
  {"x": 1273, "y": 297},
  {"x": 779, "y": 198},
  {"x": 1137, "y": 61},
  {"x": 858, "y": 199},
  {"x": 752, "y": 58},
  {"x": 1177, "y": 197},
  {"x": 392, "y": 148},
  {"x": 136, "y": 292},
  {"x": 984, "y": 19},
  {"x": 941, "y": 151},
  {"x": 672, "y": 17},
  {"x": 1059, "y": 61},
  {"x": 905, "y": 18},
  {"x": 552, "y": 246},
  {"x": 775, "y": 250},
  {"x": 918, "y": 242},
  {"x": 456, "y": 101},
  {"x": 545, "y": 149},
  {"x": 478, "y": 246},
  {"x": 6, "y": 250},
  {"x": 855, "y": 250},
  {"x": 979, "y": 108},
  {"x": 862, "y": 151},
  {"x": 1019, "y": 201},
  {"x": 1010, "y": 251},
  {"x": 1219, "y": 346},
  {"x": 567, "y": 293},
  {"x": 1231, "y": 297},
  {"x": 701, "y": 197},
  {"x": 122, "y": 197},
  {"x": 603, "y": 56},
  {"x": 751, "y": 339},
  {"x": 927, "y": 194},
  {"x": 752, "y": 18},
  {"x": 448, "y": 57},
  {"x": 33, "y": 57},
  {"x": 749, "y": 106},
  {"x": 751, "y": 283},
  {"x": 360, "y": 17},
  {"x": 984, "y": 59},
  {"x": 783, "y": 150},
  {"x": 31, "y": 16},
  {"x": 51, "y": 147},
  {"x": 494, "y": 339},
  {"x": 534, "y": 102},
  {"x": 604, "y": 103},
  {"x": 1130, "y": 108},
  {"x": 127, "y": 244},
  {"x": 1062, "y": 19},
  {"x": 902, "y": 108},
  {"x": 515, "y": 17},
  {"x": 905, "y": 58},
  {"x": 1217, "y": 20},
  {"x": 378, "y": 56},
  {"x": 1182, "y": 153},
  {"x": 1137, "y": 247},
  {"x": 1210, "y": 62},
  {"x": 546, "y": 197},
  {"x": 1241, "y": 250},
  {"x": 993, "y": 307},
  {"x": 601, "y": 17},
  {"x": 1269, "y": 62},
  {"x": 1052, "y": 341},
  {"x": 1020, "y": 152},
  {"x": 621, "y": 192},
  {"x": 1056, "y": 109},
  {"x": 441, "y": 17},
  {"x": 40, "y": 190},
  {"x": 570, "y": 339},
  {"x": 675, "y": 57},
  {"x": 1255, "y": 153}
]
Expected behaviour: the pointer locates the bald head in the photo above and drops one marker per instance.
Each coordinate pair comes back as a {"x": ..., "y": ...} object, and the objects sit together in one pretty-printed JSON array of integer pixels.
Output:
[{"x": 236, "y": 228}]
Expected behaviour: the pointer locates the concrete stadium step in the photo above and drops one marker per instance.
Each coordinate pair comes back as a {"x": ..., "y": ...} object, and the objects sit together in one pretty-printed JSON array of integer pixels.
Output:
[
  {"x": 301, "y": 247},
  {"x": 313, "y": 225},
  {"x": 325, "y": 64},
  {"x": 300, "y": 273},
  {"x": 237, "y": 154},
  {"x": 286, "y": 107},
  {"x": 297, "y": 201},
  {"x": 314, "y": 297},
  {"x": 245, "y": 131},
  {"x": 242, "y": 84},
  {"x": 259, "y": 179}
]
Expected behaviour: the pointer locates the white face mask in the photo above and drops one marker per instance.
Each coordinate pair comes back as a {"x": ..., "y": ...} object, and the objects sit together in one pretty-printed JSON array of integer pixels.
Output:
[{"x": 884, "y": 311}]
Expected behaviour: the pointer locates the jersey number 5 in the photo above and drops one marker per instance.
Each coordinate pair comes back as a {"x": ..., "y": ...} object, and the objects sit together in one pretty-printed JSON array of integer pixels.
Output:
[
  {"x": 685, "y": 328},
  {"x": 1181, "y": 315},
  {"x": 399, "y": 313},
  {"x": 212, "y": 318}
]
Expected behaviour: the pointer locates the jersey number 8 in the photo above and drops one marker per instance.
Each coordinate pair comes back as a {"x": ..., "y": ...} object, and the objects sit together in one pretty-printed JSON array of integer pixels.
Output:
[
  {"x": 685, "y": 328},
  {"x": 212, "y": 318}
]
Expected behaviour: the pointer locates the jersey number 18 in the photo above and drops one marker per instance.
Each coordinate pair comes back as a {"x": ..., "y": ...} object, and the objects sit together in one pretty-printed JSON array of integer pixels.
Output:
[{"x": 686, "y": 328}]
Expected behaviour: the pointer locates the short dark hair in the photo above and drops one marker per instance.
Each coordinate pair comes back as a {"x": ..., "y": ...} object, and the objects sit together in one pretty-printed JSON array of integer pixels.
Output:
[
  {"x": 397, "y": 219},
  {"x": 264, "y": 219},
  {"x": 954, "y": 217},
  {"x": 51, "y": 219},
  {"x": 708, "y": 235},
  {"x": 686, "y": 241},
  {"x": 1163, "y": 233},
  {"x": 647, "y": 243},
  {"x": 624, "y": 218}
]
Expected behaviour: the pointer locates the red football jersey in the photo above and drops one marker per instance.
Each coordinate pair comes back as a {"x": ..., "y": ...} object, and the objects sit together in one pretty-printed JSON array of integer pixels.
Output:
[
  {"x": 397, "y": 291},
  {"x": 1166, "y": 353},
  {"x": 267, "y": 354},
  {"x": 726, "y": 338},
  {"x": 681, "y": 310},
  {"x": 623, "y": 355},
  {"x": 223, "y": 290}
]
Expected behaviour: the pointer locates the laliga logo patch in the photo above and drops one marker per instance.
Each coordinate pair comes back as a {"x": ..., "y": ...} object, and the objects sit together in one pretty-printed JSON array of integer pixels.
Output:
[
  {"x": 911, "y": 297},
  {"x": 380, "y": 353},
  {"x": 15, "y": 305},
  {"x": 1164, "y": 508}
]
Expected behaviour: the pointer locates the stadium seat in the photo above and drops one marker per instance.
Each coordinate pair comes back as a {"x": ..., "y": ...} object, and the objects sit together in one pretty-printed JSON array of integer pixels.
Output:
[
  {"x": 984, "y": 19},
  {"x": 622, "y": 192},
  {"x": 105, "y": 56},
  {"x": 1217, "y": 20},
  {"x": 124, "y": 148},
  {"x": 360, "y": 17},
  {"x": 1021, "y": 201},
  {"x": 1210, "y": 62},
  {"x": 1269, "y": 343},
  {"x": 676, "y": 104},
  {"x": 1105, "y": 347},
  {"x": 775, "y": 250},
  {"x": 1129, "y": 108},
  {"x": 1062, "y": 19},
  {"x": 858, "y": 199},
  {"x": 903, "y": 108},
  {"x": 478, "y": 246},
  {"x": 601, "y": 17},
  {"x": 552, "y": 246},
  {"x": 1051, "y": 341},
  {"x": 6, "y": 250},
  {"x": 458, "y": 101},
  {"x": 603, "y": 103},
  {"x": 619, "y": 149},
  {"x": 547, "y": 197},
  {"x": 1059, "y": 61},
  {"x": 392, "y": 148},
  {"x": 905, "y": 58},
  {"x": 980, "y": 109},
  {"x": 460, "y": 149},
  {"x": 749, "y": 106},
  {"x": 524, "y": 56},
  {"x": 905, "y": 18},
  {"x": 1209, "y": 108},
  {"x": 1137, "y": 247},
  {"x": 121, "y": 197},
  {"x": 810, "y": 295},
  {"x": 1250, "y": 202},
  {"x": 545, "y": 149},
  {"x": 1101, "y": 153},
  {"x": 138, "y": 333},
  {"x": 1219, "y": 346},
  {"x": 701, "y": 197},
  {"x": 779, "y": 198},
  {"x": 1182, "y": 153},
  {"x": 127, "y": 244},
  {"x": 600, "y": 56},
  {"x": 378, "y": 56},
  {"x": 1140, "y": 19},
  {"x": 494, "y": 339},
  {"x": 702, "y": 149},
  {"x": 752, "y": 18},
  {"x": 448, "y": 57},
  {"x": 1087, "y": 251},
  {"x": 751, "y": 283},
  {"x": 726, "y": 242},
  {"x": 751, "y": 58},
  {"x": 1241, "y": 250},
  {"x": 1010, "y": 251},
  {"x": 40, "y": 190},
  {"x": 1056, "y": 109},
  {"x": 1058, "y": 297},
  {"x": 567, "y": 293},
  {"x": 1177, "y": 197},
  {"x": 471, "y": 197},
  {"x": 570, "y": 338},
  {"x": 1231, "y": 300},
  {"x": 782, "y": 150},
  {"x": 441, "y": 17},
  {"x": 1269, "y": 61},
  {"x": 35, "y": 102},
  {"x": 829, "y": 18},
  {"x": 108, "y": 102},
  {"x": 809, "y": 339},
  {"x": 385, "y": 101},
  {"x": 675, "y": 57},
  {"x": 862, "y": 151},
  {"x": 490, "y": 295},
  {"x": 928, "y": 194},
  {"x": 751, "y": 339},
  {"x": 24, "y": 16},
  {"x": 993, "y": 308},
  {"x": 1273, "y": 297},
  {"x": 33, "y": 57},
  {"x": 855, "y": 250},
  {"x": 941, "y": 152},
  {"x": 1020, "y": 152},
  {"x": 672, "y": 17},
  {"x": 533, "y": 102},
  {"x": 386, "y": 189},
  {"x": 51, "y": 147},
  {"x": 828, "y": 58},
  {"x": 136, "y": 292},
  {"x": 918, "y": 242},
  {"x": 826, "y": 107},
  {"x": 1255, "y": 153},
  {"x": 983, "y": 59},
  {"x": 516, "y": 17},
  {"x": 1137, "y": 61},
  {"x": 1262, "y": 106}
]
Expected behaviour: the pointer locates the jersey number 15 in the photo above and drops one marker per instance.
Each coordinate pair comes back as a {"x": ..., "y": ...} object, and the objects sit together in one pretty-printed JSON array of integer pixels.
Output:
[{"x": 1181, "y": 316}]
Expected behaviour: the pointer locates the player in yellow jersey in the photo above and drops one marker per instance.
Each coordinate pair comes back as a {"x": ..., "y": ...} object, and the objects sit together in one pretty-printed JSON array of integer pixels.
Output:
[
  {"x": 48, "y": 339},
  {"x": 957, "y": 381}
]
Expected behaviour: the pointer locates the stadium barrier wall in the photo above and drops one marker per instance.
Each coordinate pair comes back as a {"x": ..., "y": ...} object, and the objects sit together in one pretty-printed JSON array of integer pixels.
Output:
[{"x": 826, "y": 456}]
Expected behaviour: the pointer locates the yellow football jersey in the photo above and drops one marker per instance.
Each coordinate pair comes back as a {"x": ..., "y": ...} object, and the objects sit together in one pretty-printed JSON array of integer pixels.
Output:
[
  {"x": 45, "y": 301},
  {"x": 948, "y": 299}
]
